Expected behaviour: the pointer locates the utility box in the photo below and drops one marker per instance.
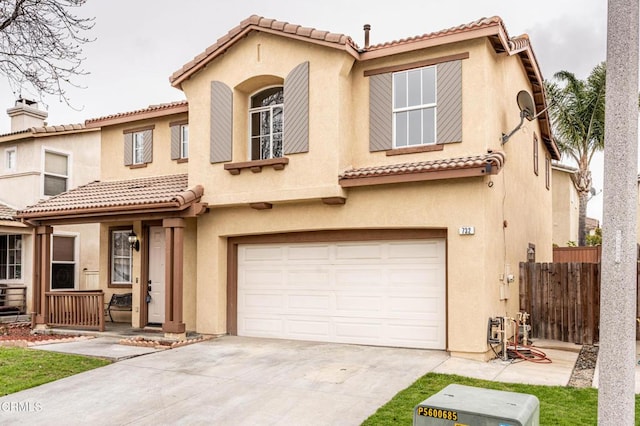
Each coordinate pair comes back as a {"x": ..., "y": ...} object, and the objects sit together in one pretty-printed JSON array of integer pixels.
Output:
[{"x": 458, "y": 405}]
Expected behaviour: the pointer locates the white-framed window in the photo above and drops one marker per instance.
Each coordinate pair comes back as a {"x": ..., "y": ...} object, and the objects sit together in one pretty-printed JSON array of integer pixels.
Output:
[
  {"x": 64, "y": 259},
  {"x": 184, "y": 141},
  {"x": 414, "y": 107},
  {"x": 138, "y": 148},
  {"x": 266, "y": 123},
  {"x": 10, "y": 159},
  {"x": 120, "y": 257},
  {"x": 10, "y": 257},
  {"x": 56, "y": 172}
]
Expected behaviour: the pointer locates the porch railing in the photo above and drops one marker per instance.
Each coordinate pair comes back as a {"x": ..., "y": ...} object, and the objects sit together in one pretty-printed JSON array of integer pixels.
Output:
[{"x": 81, "y": 309}]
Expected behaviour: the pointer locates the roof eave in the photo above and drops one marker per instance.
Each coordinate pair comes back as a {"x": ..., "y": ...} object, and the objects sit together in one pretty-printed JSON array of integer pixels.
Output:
[
  {"x": 177, "y": 78},
  {"x": 137, "y": 116}
]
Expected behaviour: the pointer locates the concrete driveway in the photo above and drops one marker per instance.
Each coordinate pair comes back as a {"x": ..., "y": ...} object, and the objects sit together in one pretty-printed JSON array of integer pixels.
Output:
[{"x": 229, "y": 381}]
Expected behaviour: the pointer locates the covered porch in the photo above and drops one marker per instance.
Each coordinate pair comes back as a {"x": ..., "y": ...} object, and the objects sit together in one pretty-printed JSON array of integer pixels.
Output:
[{"x": 142, "y": 244}]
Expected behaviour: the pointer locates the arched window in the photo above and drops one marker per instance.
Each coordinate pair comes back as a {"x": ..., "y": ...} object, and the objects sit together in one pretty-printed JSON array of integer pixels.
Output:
[{"x": 265, "y": 116}]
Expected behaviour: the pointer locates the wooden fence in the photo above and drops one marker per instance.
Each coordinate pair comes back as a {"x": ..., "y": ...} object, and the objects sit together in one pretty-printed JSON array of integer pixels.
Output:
[
  {"x": 577, "y": 254},
  {"x": 563, "y": 300}
]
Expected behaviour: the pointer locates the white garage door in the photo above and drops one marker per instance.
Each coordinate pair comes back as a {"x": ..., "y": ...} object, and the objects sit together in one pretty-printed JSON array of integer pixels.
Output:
[{"x": 387, "y": 293}]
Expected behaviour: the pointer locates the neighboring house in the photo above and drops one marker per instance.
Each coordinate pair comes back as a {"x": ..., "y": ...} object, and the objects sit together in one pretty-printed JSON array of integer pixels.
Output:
[
  {"x": 39, "y": 162},
  {"x": 328, "y": 192},
  {"x": 565, "y": 205}
]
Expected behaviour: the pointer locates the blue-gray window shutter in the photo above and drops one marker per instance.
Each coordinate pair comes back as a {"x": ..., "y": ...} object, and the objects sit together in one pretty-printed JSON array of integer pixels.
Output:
[
  {"x": 380, "y": 112},
  {"x": 221, "y": 122},
  {"x": 296, "y": 110},
  {"x": 128, "y": 149},
  {"x": 147, "y": 147},
  {"x": 175, "y": 142},
  {"x": 449, "y": 83}
]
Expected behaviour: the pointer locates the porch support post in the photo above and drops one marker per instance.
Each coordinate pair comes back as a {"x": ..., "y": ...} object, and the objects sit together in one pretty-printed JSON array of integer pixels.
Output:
[
  {"x": 41, "y": 275},
  {"x": 174, "y": 251}
]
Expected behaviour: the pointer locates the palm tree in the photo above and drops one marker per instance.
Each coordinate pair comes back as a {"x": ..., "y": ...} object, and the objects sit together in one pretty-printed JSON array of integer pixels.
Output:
[{"x": 577, "y": 115}]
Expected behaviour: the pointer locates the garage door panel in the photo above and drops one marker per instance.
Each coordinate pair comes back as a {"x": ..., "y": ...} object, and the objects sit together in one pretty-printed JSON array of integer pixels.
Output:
[
  {"x": 358, "y": 251},
  {"x": 263, "y": 301},
  {"x": 306, "y": 302},
  {"x": 377, "y": 292},
  {"x": 262, "y": 253},
  {"x": 356, "y": 304},
  {"x": 308, "y": 278},
  {"x": 309, "y": 252},
  {"x": 416, "y": 250},
  {"x": 262, "y": 277},
  {"x": 362, "y": 277},
  {"x": 415, "y": 305}
]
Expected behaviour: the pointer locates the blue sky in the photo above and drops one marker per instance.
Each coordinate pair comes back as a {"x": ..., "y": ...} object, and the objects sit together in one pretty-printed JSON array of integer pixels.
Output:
[{"x": 139, "y": 43}]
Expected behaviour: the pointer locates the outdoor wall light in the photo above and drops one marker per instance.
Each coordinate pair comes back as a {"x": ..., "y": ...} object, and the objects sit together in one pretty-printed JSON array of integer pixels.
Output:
[{"x": 133, "y": 241}]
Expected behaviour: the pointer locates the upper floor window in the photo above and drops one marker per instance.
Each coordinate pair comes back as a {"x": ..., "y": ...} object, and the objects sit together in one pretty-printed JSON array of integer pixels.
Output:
[
  {"x": 266, "y": 121},
  {"x": 414, "y": 107},
  {"x": 184, "y": 141},
  {"x": 56, "y": 172},
  {"x": 138, "y": 146},
  {"x": 10, "y": 158},
  {"x": 10, "y": 257}
]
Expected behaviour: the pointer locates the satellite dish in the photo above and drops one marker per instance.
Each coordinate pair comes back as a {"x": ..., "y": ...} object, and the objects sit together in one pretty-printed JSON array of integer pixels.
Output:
[
  {"x": 527, "y": 110},
  {"x": 526, "y": 105}
]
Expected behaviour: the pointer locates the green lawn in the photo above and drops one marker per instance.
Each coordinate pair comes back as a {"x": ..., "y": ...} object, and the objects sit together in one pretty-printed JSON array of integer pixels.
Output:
[
  {"x": 25, "y": 368},
  {"x": 558, "y": 405}
]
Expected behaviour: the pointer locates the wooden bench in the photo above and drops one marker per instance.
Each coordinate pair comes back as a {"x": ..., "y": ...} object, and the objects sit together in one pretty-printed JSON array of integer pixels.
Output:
[
  {"x": 119, "y": 302},
  {"x": 13, "y": 299}
]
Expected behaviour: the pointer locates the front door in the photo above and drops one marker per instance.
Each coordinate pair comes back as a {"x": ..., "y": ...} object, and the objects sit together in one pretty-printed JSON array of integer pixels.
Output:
[{"x": 156, "y": 275}]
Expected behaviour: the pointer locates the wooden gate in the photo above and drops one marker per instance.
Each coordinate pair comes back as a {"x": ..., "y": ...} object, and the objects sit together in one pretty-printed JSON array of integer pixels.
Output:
[{"x": 563, "y": 300}]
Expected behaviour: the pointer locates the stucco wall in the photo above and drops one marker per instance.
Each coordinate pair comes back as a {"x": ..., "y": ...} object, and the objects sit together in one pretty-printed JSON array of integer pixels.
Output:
[
  {"x": 113, "y": 149},
  {"x": 565, "y": 209}
]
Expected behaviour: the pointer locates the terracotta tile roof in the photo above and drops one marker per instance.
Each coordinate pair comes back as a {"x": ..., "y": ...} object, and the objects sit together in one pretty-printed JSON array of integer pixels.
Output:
[
  {"x": 155, "y": 110},
  {"x": 48, "y": 130},
  {"x": 493, "y": 160},
  {"x": 6, "y": 212},
  {"x": 479, "y": 24},
  {"x": 259, "y": 23},
  {"x": 123, "y": 195}
]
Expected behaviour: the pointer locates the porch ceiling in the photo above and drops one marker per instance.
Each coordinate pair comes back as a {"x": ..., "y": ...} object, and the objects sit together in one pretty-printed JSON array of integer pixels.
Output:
[{"x": 142, "y": 198}]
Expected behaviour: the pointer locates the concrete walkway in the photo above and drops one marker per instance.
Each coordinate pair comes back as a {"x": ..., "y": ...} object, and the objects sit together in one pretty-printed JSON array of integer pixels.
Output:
[{"x": 238, "y": 381}]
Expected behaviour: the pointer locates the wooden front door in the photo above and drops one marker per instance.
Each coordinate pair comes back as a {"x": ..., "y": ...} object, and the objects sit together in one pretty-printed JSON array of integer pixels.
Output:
[{"x": 156, "y": 284}]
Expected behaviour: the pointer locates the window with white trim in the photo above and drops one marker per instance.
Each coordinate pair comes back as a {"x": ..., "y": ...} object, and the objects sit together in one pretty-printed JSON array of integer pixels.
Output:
[
  {"x": 10, "y": 257},
  {"x": 138, "y": 147},
  {"x": 266, "y": 122},
  {"x": 414, "y": 107},
  {"x": 63, "y": 263},
  {"x": 56, "y": 173},
  {"x": 121, "y": 257},
  {"x": 10, "y": 157},
  {"x": 184, "y": 141}
]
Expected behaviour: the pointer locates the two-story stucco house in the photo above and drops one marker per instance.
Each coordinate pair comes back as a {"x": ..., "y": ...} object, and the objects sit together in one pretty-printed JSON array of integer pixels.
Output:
[
  {"x": 313, "y": 189},
  {"x": 38, "y": 162}
]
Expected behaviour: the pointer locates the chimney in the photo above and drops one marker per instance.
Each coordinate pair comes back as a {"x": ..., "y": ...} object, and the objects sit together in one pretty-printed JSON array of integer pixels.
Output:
[
  {"x": 367, "y": 28},
  {"x": 25, "y": 114}
]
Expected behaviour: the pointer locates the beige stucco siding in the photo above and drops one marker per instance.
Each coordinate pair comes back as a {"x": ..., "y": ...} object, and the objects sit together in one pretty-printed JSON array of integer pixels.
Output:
[
  {"x": 308, "y": 175},
  {"x": 565, "y": 209},
  {"x": 113, "y": 149}
]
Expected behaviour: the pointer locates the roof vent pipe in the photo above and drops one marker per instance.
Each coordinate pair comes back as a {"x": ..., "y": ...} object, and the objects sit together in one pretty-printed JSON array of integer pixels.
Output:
[{"x": 367, "y": 28}]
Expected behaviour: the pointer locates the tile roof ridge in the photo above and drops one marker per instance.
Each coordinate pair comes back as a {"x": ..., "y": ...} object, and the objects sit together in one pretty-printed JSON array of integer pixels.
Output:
[{"x": 478, "y": 23}]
